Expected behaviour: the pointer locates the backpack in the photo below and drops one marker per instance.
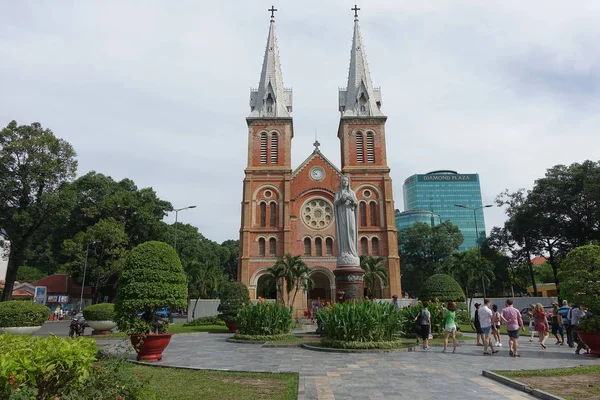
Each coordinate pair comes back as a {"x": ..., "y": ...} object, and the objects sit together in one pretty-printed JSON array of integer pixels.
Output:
[{"x": 423, "y": 317}]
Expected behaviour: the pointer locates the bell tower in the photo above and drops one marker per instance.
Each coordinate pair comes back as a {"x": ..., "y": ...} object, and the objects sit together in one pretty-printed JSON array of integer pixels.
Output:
[
  {"x": 265, "y": 231},
  {"x": 363, "y": 156}
]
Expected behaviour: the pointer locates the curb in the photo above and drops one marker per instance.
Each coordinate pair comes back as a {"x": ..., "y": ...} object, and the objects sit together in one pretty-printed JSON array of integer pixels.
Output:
[
  {"x": 333, "y": 350},
  {"x": 245, "y": 341},
  {"x": 540, "y": 394}
]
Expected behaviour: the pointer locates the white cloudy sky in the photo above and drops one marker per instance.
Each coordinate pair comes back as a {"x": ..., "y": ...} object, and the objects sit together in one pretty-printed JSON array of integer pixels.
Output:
[{"x": 157, "y": 91}]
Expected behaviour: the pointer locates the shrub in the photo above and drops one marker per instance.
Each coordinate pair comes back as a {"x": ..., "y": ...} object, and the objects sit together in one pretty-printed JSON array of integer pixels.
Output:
[
  {"x": 339, "y": 344},
  {"x": 100, "y": 312},
  {"x": 22, "y": 313},
  {"x": 205, "y": 321},
  {"x": 264, "y": 319},
  {"x": 410, "y": 322},
  {"x": 262, "y": 338},
  {"x": 46, "y": 365},
  {"x": 364, "y": 321},
  {"x": 443, "y": 288},
  {"x": 580, "y": 282},
  {"x": 151, "y": 278},
  {"x": 233, "y": 295}
]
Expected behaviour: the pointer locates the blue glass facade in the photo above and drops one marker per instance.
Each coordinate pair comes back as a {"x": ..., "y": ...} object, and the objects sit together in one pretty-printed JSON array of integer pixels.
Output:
[
  {"x": 439, "y": 192},
  {"x": 407, "y": 218}
]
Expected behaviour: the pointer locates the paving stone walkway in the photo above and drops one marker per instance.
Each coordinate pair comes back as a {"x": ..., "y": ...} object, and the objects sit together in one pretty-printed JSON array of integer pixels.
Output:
[{"x": 395, "y": 375}]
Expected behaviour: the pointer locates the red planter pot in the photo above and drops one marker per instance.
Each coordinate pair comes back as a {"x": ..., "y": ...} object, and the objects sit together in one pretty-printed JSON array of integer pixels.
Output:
[
  {"x": 592, "y": 339},
  {"x": 150, "y": 347},
  {"x": 232, "y": 326}
]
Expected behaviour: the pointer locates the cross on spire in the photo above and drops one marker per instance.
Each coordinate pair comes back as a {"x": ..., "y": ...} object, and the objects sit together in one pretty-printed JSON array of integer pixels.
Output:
[
  {"x": 355, "y": 9},
  {"x": 272, "y": 9}
]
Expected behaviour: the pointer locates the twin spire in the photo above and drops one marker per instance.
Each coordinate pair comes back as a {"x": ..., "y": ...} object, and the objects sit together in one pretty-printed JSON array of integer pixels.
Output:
[{"x": 359, "y": 98}]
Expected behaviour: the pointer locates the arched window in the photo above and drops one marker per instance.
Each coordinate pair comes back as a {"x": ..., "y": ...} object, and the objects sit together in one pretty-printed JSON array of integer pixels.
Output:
[
  {"x": 370, "y": 148},
  {"x": 362, "y": 213},
  {"x": 373, "y": 211},
  {"x": 263, "y": 214},
  {"x": 263, "y": 148},
  {"x": 329, "y": 246},
  {"x": 360, "y": 155},
  {"x": 307, "y": 250},
  {"x": 261, "y": 247},
  {"x": 274, "y": 147},
  {"x": 273, "y": 215},
  {"x": 375, "y": 246},
  {"x": 364, "y": 246},
  {"x": 272, "y": 247},
  {"x": 318, "y": 247}
]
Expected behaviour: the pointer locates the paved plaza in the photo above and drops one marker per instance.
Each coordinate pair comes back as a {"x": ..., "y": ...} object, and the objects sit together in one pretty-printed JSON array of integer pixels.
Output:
[{"x": 394, "y": 375}]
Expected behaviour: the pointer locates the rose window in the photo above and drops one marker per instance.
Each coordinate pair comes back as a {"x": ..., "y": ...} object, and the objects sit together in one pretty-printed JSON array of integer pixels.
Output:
[{"x": 317, "y": 213}]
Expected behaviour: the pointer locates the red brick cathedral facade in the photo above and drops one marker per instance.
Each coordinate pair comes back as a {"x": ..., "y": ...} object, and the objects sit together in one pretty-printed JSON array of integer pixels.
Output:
[{"x": 287, "y": 210}]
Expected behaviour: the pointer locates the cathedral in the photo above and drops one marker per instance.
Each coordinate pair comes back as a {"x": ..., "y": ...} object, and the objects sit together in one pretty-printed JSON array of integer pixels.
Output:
[{"x": 287, "y": 210}]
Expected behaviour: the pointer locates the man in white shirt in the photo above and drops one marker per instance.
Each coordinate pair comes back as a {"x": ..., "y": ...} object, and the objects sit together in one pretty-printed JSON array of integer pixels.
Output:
[{"x": 485, "y": 320}]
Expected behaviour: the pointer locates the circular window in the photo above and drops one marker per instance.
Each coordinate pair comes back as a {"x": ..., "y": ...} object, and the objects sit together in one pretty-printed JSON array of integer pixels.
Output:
[
  {"x": 367, "y": 193},
  {"x": 268, "y": 194},
  {"x": 317, "y": 213}
]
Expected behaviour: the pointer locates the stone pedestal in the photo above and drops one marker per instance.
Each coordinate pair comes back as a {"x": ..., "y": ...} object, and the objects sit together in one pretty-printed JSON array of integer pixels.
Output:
[{"x": 350, "y": 280}]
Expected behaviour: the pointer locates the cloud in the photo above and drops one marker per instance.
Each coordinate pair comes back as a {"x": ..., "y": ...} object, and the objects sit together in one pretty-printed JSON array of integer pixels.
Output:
[{"x": 158, "y": 91}]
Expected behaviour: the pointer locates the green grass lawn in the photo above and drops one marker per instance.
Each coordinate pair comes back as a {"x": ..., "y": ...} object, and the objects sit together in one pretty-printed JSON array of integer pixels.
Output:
[
  {"x": 168, "y": 383},
  {"x": 568, "y": 383},
  {"x": 468, "y": 328}
]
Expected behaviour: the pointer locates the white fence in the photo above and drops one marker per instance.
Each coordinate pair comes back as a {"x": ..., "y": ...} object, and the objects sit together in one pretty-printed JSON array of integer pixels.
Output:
[
  {"x": 203, "y": 308},
  {"x": 519, "y": 302}
]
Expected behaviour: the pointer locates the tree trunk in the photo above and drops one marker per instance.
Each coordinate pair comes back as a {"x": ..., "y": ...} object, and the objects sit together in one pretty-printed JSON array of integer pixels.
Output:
[
  {"x": 552, "y": 261},
  {"x": 15, "y": 260}
]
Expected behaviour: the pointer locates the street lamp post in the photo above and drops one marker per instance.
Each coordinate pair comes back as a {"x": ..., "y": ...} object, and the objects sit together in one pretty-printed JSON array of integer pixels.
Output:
[
  {"x": 475, "y": 209},
  {"x": 87, "y": 250},
  {"x": 175, "y": 235}
]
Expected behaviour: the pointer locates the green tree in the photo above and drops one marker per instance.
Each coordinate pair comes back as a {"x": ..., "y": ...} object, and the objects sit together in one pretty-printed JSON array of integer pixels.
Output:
[
  {"x": 423, "y": 250},
  {"x": 205, "y": 281},
  {"x": 29, "y": 274},
  {"x": 470, "y": 271},
  {"x": 292, "y": 275},
  {"x": 108, "y": 245},
  {"x": 35, "y": 166},
  {"x": 580, "y": 277},
  {"x": 375, "y": 271},
  {"x": 231, "y": 264}
]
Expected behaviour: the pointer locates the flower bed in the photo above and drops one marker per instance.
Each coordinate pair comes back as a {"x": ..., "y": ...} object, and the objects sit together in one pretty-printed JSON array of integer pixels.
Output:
[{"x": 264, "y": 319}]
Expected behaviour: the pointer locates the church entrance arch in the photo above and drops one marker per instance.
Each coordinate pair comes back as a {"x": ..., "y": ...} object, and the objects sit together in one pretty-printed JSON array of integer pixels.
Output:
[
  {"x": 322, "y": 288},
  {"x": 265, "y": 287}
]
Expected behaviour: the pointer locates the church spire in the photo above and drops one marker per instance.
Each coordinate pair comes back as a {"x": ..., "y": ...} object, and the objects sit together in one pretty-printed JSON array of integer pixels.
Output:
[
  {"x": 271, "y": 99},
  {"x": 359, "y": 98}
]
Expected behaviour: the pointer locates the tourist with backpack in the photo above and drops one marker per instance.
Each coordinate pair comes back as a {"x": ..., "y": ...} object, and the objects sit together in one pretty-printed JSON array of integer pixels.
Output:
[{"x": 424, "y": 321}]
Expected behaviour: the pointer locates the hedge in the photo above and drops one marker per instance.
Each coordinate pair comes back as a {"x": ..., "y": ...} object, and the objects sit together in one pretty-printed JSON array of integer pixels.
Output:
[
  {"x": 262, "y": 338},
  {"x": 100, "y": 312},
  {"x": 442, "y": 287},
  {"x": 22, "y": 313},
  {"x": 341, "y": 344},
  {"x": 233, "y": 296}
]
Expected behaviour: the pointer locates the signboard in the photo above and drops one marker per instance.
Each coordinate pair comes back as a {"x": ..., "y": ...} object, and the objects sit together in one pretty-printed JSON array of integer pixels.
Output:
[
  {"x": 52, "y": 299},
  {"x": 63, "y": 299},
  {"x": 40, "y": 295},
  {"x": 447, "y": 178}
]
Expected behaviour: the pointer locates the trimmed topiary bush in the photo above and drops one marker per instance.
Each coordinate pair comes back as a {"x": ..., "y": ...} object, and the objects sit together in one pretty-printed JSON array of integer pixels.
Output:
[
  {"x": 22, "y": 313},
  {"x": 233, "y": 296},
  {"x": 152, "y": 278},
  {"x": 442, "y": 288},
  {"x": 100, "y": 312}
]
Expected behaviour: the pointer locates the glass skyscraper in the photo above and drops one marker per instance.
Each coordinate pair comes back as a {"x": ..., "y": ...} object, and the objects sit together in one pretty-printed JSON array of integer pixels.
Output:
[
  {"x": 440, "y": 192},
  {"x": 407, "y": 218}
]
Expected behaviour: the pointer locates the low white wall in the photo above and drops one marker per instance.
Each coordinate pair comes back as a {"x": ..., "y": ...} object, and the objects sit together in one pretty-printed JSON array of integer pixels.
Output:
[
  {"x": 204, "y": 308},
  {"x": 519, "y": 302}
]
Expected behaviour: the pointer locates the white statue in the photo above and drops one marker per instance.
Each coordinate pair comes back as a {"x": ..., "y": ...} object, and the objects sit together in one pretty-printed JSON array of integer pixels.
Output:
[{"x": 345, "y": 205}]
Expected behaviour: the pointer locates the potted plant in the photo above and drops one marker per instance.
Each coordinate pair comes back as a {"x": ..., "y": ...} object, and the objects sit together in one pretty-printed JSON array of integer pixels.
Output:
[
  {"x": 151, "y": 278},
  {"x": 101, "y": 318},
  {"x": 22, "y": 317},
  {"x": 580, "y": 284},
  {"x": 234, "y": 295}
]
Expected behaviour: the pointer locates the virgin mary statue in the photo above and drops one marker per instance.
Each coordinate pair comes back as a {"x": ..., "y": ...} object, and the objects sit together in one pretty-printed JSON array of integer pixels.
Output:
[{"x": 345, "y": 205}]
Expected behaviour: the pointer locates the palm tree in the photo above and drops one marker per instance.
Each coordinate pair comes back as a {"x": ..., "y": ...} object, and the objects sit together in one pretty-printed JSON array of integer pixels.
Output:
[
  {"x": 292, "y": 272},
  {"x": 375, "y": 269},
  {"x": 204, "y": 281}
]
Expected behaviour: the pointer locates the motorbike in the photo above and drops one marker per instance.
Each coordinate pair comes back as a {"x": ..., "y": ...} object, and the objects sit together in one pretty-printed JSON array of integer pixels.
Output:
[{"x": 77, "y": 326}]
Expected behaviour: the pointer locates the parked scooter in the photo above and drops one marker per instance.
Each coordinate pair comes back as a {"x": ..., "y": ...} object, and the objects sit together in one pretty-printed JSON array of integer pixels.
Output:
[{"x": 77, "y": 326}]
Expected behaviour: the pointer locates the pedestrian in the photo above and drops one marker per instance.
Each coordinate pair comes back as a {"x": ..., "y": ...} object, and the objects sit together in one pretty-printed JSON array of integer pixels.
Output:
[
  {"x": 513, "y": 321},
  {"x": 576, "y": 314},
  {"x": 496, "y": 320},
  {"x": 477, "y": 326},
  {"x": 531, "y": 321},
  {"x": 564, "y": 312},
  {"x": 449, "y": 316},
  {"x": 395, "y": 302},
  {"x": 485, "y": 321},
  {"x": 425, "y": 324},
  {"x": 541, "y": 324},
  {"x": 557, "y": 325}
]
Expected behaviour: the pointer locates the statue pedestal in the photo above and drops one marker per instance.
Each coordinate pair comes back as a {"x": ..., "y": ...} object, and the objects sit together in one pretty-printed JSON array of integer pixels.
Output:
[{"x": 350, "y": 280}]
